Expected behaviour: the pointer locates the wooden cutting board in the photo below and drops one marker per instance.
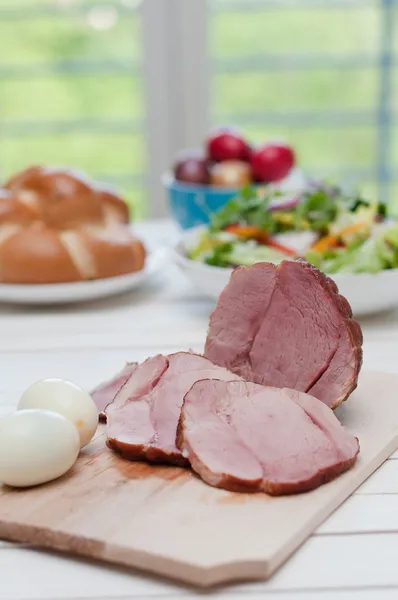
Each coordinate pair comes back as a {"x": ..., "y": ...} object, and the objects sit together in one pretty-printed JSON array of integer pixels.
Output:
[{"x": 166, "y": 521}]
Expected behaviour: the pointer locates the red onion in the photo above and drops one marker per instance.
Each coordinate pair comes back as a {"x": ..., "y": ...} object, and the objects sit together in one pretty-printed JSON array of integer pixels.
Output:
[{"x": 286, "y": 204}]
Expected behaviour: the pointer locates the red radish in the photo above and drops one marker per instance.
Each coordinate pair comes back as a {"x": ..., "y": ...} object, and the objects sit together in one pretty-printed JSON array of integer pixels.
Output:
[
  {"x": 284, "y": 203},
  {"x": 192, "y": 170},
  {"x": 271, "y": 162},
  {"x": 226, "y": 144}
]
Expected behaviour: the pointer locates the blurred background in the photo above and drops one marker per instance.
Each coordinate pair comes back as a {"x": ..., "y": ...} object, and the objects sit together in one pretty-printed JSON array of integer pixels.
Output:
[{"x": 118, "y": 87}]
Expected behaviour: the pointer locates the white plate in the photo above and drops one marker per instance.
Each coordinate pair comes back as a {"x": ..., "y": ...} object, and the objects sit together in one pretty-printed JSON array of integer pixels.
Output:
[
  {"x": 59, "y": 293},
  {"x": 367, "y": 293}
]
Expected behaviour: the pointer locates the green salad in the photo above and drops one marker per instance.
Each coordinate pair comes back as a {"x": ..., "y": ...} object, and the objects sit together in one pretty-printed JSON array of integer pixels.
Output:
[{"x": 335, "y": 231}]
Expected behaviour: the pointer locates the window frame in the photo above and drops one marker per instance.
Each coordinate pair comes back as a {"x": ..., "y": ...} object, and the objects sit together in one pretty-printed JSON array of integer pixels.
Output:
[{"x": 177, "y": 77}]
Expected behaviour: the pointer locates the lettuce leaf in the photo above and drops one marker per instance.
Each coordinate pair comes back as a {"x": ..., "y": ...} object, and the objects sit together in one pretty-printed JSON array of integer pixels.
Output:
[
  {"x": 365, "y": 259},
  {"x": 242, "y": 253},
  {"x": 370, "y": 256},
  {"x": 250, "y": 206}
]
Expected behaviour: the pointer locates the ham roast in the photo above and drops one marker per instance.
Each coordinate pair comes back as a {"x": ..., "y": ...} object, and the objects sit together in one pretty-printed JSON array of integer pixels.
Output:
[
  {"x": 247, "y": 416},
  {"x": 142, "y": 420},
  {"x": 287, "y": 326},
  {"x": 245, "y": 437},
  {"x": 104, "y": 393}
]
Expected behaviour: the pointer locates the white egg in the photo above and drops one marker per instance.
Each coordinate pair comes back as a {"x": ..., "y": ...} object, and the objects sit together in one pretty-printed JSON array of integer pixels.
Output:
[
  {"x": 67, "y": 399},
  {"x": 36, "y": 446}
]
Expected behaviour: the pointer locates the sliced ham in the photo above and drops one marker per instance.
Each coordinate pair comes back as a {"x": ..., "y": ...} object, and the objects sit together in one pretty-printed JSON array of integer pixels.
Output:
[
  {"x": 287, "y": 326},
  {"x": 104, "y": 393},
  {"x": 142, "y": 419},
  {"x": 242, "y": 436}
]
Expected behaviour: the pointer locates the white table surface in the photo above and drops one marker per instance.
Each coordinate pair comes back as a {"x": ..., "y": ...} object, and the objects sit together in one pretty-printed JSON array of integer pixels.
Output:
[{"x": 352, "y": 556}]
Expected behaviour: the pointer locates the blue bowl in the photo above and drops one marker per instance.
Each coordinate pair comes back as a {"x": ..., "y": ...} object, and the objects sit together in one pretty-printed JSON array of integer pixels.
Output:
[{"x": 192, "y": 205}]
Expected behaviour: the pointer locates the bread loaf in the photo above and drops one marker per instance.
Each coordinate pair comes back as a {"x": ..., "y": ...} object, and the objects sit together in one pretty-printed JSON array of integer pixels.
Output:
[{"x": 57, "y": 226}]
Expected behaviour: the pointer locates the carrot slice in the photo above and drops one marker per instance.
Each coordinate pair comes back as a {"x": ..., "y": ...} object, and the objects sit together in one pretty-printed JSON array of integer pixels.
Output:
[
  {"x": 249, "y": 232},
  {"x": 332, "y": 240}
]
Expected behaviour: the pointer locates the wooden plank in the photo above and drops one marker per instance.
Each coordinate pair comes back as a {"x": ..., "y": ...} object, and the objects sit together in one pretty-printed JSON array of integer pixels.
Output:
[
  {"x": 30, "y": 574},
  {"x": 54, "y": 576},
  {"x": 88, "y": 366},
  {"x": 167, "y": 521},
  {"x": 6, "y": 408},
  {"x": 336, "y": 562},
  {"x": 174, "y": 310},
  {"x": 187, "y": 327},
  {"x": 384, "y": 481},
  {"x": 85, "y": 368},
  {"x": 317, "y": 594},
  {"x": 363, "y": 514},
  {"x": 179, "y": 324},
  {"x": 9, "y": 545}
]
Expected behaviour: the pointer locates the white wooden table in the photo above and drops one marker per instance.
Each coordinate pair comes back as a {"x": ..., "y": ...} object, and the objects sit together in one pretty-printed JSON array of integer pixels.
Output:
[{"x": 353, "y": 556}]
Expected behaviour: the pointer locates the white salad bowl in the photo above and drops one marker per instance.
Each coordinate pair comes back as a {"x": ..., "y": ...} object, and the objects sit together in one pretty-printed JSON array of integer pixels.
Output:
[{"x": 368, "y": 293}]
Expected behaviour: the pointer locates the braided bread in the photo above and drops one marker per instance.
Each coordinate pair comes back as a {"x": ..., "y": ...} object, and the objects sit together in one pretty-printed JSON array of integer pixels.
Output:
[{"x": 57, "y": 226}]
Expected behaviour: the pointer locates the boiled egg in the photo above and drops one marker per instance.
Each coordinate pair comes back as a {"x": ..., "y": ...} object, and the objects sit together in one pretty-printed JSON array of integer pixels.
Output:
[
  {"x": 36, "y": 446},
  {"x": 67, "y": 399}
]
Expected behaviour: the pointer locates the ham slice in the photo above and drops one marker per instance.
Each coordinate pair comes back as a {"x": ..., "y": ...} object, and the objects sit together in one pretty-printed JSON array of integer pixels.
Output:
[
  {"x": 105, "y": 393},
  {"x": 142, "y": 419},
  {"x": 242, "y": 436},
  {"x": 287, "y": 326}
]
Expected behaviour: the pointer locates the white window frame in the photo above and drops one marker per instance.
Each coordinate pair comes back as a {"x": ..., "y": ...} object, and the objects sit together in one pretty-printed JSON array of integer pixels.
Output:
[{"x": 176, "y": 77}]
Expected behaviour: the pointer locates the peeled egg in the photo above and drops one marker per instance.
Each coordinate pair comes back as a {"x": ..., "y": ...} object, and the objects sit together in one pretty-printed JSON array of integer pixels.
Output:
[
  {"x": 36, "y": 446},
  {"x": 67, "y": 399}
]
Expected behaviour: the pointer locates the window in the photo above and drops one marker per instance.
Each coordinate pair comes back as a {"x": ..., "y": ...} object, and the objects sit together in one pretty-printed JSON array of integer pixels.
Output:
[
  {"x": 71, "y": 89},
  {"x": 104, "y": 84},
  {"x": 320, "y": 73}
]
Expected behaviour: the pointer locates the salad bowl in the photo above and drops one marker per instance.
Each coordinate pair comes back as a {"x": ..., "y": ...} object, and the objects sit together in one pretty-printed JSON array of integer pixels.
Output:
[
  {"x": 348, "y": 238},
  {"x": 368, "y": 293}
]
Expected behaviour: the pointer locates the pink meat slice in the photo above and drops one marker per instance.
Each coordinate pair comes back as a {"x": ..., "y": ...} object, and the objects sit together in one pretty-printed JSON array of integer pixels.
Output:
[
  {"x": 105, "y": 392},
  {"x": 142, "y": 420},
  {"x": 287, "y": 326},
  {"x": 242, "y": 436}
]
